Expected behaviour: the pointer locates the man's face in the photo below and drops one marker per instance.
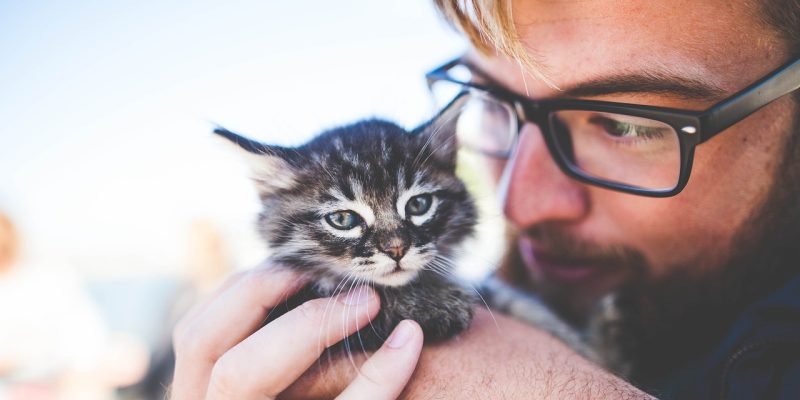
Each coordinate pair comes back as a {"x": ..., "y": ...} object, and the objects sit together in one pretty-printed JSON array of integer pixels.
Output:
[{"x": 579, "y": 242}]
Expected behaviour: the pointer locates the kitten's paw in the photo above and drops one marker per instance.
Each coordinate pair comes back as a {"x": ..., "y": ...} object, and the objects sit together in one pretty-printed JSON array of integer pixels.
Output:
[
  {"x": 448, "y": 318},
  {"x": 370, "y": 337}
]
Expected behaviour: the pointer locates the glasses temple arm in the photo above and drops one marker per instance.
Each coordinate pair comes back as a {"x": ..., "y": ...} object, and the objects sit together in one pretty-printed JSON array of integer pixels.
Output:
[{"x": 749, "y": 100}]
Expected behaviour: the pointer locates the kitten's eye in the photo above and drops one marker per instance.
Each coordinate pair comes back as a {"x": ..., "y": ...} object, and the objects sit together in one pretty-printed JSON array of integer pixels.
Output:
[
  {"x": 344, "y": 220},
  {"x": 419, "y": 204}
]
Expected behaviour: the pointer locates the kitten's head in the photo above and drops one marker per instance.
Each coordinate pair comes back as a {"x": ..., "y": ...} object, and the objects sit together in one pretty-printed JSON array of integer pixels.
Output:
[{"x": 370, "y": 201}]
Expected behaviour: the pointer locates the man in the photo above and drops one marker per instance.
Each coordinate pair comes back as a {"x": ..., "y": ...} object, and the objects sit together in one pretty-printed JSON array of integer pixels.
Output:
[
  {"x": 683, "y": 267},
  {"x": 703, "y": 282}
]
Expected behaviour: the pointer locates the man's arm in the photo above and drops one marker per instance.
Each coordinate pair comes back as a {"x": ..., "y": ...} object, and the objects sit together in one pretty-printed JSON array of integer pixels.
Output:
[
  {"x": 489, "y": 361},
  {"x": 511, "y": 360}
]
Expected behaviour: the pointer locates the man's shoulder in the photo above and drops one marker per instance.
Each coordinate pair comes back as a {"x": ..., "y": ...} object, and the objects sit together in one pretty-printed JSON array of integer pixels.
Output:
[{"x": 760, "y": 356}]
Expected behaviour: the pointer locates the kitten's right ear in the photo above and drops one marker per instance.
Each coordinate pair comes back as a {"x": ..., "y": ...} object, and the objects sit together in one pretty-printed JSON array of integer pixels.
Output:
[
  {"x": 437, "y": 137},
  {"x": 271, "y": 170}
]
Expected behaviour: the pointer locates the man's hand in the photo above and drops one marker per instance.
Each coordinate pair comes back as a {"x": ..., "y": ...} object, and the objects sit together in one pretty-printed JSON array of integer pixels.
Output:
[{"x": 222, "y": 352}]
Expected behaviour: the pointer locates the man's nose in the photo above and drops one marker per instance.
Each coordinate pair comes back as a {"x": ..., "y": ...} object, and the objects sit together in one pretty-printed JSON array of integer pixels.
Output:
[{"x": 535, "y": 188}]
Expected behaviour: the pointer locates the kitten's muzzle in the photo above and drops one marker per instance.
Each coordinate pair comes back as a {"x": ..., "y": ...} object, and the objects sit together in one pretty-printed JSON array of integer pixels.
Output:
[{"x": 395, "y": 248}]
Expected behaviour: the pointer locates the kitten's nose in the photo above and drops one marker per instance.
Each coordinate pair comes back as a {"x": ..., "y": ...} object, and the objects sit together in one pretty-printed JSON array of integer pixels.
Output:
[{"x": 394, "y": 248}]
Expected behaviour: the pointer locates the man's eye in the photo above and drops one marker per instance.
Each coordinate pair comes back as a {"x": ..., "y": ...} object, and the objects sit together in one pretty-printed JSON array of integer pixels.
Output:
[
  {"x": 343, "y": 220},
  {"x": 624, "y": 129},
  {"x": 419, "y": 204}
]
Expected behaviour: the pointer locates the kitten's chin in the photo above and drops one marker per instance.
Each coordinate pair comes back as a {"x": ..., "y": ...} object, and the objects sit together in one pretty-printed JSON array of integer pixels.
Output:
[{"x": 396, "y": 278}]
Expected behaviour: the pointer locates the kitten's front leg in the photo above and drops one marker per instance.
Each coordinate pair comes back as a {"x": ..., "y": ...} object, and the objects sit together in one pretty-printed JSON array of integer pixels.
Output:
[{"x": 442, "y": 308}]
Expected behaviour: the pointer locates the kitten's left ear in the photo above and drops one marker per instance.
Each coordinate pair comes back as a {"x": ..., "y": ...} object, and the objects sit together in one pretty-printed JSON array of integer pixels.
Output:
[
  {"x": 269, "y": 164},
  {"x": 437, "y": 137}
]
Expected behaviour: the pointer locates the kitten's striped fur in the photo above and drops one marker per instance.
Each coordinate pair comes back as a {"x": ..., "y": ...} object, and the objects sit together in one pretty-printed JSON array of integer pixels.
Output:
[{"x": 373, "y": 171}]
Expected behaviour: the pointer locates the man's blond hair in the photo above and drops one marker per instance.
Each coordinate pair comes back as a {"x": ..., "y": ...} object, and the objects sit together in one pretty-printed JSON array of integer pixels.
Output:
[{"x": 489, "y": 26}]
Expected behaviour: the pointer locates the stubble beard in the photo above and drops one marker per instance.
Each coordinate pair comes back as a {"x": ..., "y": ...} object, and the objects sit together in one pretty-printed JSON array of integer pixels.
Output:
[{"x": 658, "y": 325}]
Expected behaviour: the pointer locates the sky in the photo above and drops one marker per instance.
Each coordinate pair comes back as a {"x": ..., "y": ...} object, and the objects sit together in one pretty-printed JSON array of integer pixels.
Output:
[{"x": 106, "y": 109}]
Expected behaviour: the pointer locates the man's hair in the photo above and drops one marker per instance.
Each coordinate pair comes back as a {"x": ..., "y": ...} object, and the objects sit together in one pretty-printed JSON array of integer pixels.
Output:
[
  {"x": 784, "y": 17},
  {"x": 489, "y": 26}
]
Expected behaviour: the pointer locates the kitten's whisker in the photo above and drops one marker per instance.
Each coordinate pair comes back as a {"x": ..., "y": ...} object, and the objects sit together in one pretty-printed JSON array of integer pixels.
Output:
[
  {"x": 438, "y": 269},
  {"x": 285, "y": 296},
  {"x": 440, "y": 258},
  {"x": 345, "y": 316},
  {"x": 371, "y": 326},
  {"x": 428, "y": 141},
  {"x": 336, "y": 291},
  {"x": 324, "y": 168},
  {"x": 339, "y": 287},
  {"x": 425, "y": 161},
  {"x": 437, "y": 129},
  {"x": 358, "y": 332},
  {"x": 490, "y": 264},
  {"x": 369, "y": 282},
  {"x": 346, "y": 343}
]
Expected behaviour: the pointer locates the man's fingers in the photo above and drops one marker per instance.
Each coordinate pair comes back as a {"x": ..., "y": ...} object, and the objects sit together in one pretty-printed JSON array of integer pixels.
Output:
[
  {"x": 228, "y": 282},
  {"x": 232, "y": 315},
  {"x": 387, "y": 372},
  {"x": 268, "y": 361}
]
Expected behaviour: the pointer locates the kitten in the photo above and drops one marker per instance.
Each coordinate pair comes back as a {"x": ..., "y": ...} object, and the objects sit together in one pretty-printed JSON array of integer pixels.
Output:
[{"x": 370, "y": 203}]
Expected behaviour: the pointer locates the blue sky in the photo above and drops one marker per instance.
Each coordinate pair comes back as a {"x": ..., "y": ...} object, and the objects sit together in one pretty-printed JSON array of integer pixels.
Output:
[{"x": 105, "y": 151}]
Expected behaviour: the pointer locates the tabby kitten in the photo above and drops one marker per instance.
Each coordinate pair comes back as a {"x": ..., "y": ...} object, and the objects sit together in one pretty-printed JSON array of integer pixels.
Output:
[{"x": 370, "y": 203}]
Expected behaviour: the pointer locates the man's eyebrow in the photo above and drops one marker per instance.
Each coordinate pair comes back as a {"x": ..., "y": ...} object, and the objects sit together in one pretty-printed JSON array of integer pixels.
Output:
[{"x": 647, "y": 82}]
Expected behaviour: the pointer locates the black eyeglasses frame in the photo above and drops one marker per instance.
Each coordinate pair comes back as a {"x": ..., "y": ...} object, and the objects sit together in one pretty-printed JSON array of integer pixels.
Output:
[{"x": 693, "y": 127}]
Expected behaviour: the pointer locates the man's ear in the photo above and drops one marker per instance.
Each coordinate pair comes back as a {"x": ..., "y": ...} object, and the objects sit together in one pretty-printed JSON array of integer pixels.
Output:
[
  {"x": 269, "y": 166},
  {"x": 437, "y": 137}
]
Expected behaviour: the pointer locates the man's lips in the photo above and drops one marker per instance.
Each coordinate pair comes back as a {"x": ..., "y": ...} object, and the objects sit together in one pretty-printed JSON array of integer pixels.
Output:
[{"x": 558, "y": 268}]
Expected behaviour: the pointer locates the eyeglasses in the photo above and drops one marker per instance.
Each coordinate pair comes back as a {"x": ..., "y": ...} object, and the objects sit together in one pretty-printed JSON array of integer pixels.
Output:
[{"x": 632, "y": 148}]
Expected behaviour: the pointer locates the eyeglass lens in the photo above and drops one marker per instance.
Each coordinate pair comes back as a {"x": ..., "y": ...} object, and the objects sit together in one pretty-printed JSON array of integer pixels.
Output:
[
  {"x": 615, "y": 148},
  {"x": 619, "y": 148}
]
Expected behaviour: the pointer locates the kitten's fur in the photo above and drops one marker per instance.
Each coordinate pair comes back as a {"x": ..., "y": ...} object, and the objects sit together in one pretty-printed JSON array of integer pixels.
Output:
[{"x": 373, "y": 168}]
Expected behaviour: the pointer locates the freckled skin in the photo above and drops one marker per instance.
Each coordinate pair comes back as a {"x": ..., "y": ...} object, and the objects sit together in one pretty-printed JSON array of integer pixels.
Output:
[
  {"x": 369, "y": 165},
  {"x": 732, "y": 173}
]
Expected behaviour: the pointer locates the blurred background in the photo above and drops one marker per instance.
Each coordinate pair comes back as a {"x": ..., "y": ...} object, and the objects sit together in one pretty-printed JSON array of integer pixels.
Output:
[{"x": 118, "y": 209}]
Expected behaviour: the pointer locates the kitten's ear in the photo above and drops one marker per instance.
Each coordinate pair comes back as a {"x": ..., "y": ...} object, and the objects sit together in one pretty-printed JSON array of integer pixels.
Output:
[
  {"x": 269, "y": 165},
  {"x": 437, "y": 137}
]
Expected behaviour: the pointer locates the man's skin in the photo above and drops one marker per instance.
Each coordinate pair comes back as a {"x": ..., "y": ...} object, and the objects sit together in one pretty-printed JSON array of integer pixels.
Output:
[
  {"x": 719, "y": 45},
  {"x": 714, "y": 42}
]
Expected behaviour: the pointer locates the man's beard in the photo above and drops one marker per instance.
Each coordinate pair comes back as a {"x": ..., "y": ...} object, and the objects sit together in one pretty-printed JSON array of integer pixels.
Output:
[{"x": 660, "y": 324}]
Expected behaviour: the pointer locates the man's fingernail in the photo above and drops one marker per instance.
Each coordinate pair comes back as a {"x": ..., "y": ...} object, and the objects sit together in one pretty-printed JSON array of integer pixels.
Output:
[
  {"x": 400, "y": 335},
  {"x": 359, "y": 295}
]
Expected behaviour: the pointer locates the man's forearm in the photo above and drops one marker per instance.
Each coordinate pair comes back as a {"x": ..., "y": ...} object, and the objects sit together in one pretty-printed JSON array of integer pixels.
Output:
[
  {"x": 511, "y": 360},
  {"x": 507, "y": 360}
]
